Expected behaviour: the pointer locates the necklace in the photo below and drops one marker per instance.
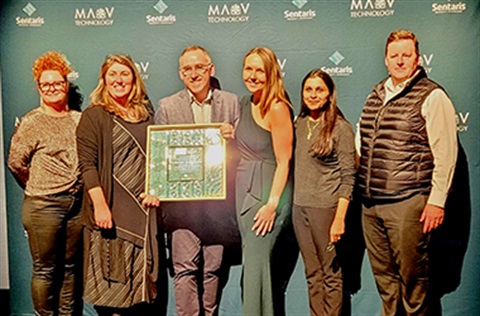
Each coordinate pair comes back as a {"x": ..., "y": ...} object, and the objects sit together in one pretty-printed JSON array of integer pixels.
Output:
[{"x": 311, "y": 125}]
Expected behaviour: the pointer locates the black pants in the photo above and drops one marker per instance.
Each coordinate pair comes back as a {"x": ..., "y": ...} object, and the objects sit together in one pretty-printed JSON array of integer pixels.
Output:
[{"x": 52, "y": 223}]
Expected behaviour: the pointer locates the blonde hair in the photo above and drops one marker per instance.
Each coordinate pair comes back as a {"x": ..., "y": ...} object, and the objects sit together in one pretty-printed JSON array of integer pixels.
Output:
[
  {"x": 51, "y": 60},
  {"x": 137, "y": 100},
  {"x": 274, "y": 89}
]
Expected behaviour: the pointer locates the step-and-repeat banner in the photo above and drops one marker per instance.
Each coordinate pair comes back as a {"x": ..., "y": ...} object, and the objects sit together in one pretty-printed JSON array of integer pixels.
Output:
[{"x": 346, "y": 38}]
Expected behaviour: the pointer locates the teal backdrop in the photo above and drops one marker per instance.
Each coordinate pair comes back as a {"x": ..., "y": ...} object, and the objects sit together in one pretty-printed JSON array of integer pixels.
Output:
[{"x": 344, "y": 37}]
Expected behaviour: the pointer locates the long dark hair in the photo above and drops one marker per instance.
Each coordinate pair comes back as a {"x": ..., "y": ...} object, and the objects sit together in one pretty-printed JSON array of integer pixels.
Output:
[
  {"x": 322, "y": 145},
  {"x": 75, "y": 98}
]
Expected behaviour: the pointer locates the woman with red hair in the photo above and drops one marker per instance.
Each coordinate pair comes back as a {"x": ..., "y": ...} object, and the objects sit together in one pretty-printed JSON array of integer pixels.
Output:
[{"x": 43, "y": 160}]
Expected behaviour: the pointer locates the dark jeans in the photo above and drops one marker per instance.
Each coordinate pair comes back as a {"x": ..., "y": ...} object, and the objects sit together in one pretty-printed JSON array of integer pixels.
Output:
[{"x": 54, "y": 232}]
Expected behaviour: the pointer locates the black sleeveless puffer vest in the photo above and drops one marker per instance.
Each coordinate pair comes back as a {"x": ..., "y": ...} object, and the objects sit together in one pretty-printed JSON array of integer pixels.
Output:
[{"x": 396, "y": 161}]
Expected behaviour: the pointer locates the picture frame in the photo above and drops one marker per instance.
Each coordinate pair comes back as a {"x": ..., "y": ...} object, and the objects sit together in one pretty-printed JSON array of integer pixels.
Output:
[{"x": 186, "y": 162}]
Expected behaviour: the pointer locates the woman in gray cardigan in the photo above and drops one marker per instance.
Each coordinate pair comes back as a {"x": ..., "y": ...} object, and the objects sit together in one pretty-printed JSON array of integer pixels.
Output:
[{"x": 324, "y": 179}]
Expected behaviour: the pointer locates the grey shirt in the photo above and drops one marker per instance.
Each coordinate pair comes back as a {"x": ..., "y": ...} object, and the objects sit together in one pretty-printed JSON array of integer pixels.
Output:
[{"x": 320, "y": 182}]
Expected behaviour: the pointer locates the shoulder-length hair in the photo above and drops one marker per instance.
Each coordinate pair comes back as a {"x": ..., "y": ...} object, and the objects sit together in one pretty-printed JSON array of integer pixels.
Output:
[
  {"x": 274, "y": 90},
  {"x": 322, "y": 144},
  {"x": 137, "y": 99}
]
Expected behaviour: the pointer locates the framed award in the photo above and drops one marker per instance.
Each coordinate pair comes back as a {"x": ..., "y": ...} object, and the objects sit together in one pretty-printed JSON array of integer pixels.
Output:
[{"x": 186, "y": 162}]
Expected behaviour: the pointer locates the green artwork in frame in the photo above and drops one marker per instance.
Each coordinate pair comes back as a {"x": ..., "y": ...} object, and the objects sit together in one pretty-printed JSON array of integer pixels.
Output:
[{"x": 186, "y": 162}]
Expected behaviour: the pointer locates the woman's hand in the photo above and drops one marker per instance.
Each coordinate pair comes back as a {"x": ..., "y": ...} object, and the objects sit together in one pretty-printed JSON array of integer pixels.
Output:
[
  {"x": 282, "y": 140},
  {"x": 337, "y": 229},
  {"x": 338, "y": 225},
  {"x": 264, "y": 220},
  {"x": 149, "y": 200},
  {"x": 103, "y": 216},
  {"x": 227, "y": 131},
  {"x": 101, "y": 211}
]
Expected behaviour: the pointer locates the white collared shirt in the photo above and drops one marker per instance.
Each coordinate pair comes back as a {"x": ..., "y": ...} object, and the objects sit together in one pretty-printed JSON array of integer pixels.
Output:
[{"x": 202, "y": 111}]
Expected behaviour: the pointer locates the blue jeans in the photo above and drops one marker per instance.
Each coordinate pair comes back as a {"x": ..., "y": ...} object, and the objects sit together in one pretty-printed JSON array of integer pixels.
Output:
[{"x": 54, "y": 230}]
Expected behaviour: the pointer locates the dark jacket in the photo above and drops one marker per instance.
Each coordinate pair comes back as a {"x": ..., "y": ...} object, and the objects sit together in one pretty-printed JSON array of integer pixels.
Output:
[{"x": 396, "y": 161}]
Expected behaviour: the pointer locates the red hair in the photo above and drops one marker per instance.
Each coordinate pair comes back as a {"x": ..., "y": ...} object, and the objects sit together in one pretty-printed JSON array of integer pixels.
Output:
[{"x": 51, "y": 60}]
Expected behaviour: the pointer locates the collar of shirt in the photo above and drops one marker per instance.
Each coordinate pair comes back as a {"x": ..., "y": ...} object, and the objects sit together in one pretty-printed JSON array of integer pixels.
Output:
[
  {"x": 202, "y": 112},
  {"x": 194, "y": 101},
  {"x": 391, "y": 90}
]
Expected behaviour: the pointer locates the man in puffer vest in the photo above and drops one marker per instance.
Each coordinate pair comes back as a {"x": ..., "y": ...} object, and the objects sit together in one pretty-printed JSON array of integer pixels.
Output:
[{"x": 408, "y": 151}]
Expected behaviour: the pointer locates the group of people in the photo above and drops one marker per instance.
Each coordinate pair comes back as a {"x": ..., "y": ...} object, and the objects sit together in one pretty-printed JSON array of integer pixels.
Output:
[{"x": 84, "y": 180}]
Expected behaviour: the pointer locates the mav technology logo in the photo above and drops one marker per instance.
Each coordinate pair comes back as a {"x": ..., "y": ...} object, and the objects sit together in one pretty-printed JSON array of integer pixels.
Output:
[
  {"x": 426, "y": 61},
  {"x": 371, "y": 8},
  {"x": 338, "y": 71},
  {"x": 29, "y": 21},
  {"x": 94, "y": 17},
  {"x": 142, "y": 67},
  {"x": 299, "y": 15},
  {"x": 234, "y": 13},
  {"x": 161, "y": 19},
  {"x": 462, "y": 121},
  {"x": 282, "y": 63},
  {"x": 448, "y": 7}
]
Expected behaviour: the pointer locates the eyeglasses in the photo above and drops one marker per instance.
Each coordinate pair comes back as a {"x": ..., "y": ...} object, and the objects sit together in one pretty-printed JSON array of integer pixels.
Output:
[
  {"x": 45, "y": 86},
  {"x": 200, "y": 68}
]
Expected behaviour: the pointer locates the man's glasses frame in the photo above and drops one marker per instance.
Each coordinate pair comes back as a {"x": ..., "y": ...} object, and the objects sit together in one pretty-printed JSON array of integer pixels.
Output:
[{"x": 200, "y": 68}]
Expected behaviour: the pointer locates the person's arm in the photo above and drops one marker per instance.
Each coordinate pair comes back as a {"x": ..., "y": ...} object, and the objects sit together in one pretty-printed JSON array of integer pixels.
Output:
[
  {"x": 338, "y": 224},
  {"x": 441, "y": 126},
  {"x": 160, "y": 115},
  {"x": 345, "y": 149},
  {"x": 228, "y": 127},
  {"x": 88, "y": 140},
  {"x": 227, "y": 131},
  {"x": 281, "y": 129},
  {"x": 358, "y": 144},
  {"x": 101, "y": 212},
  {"x": 236, "y": 112},
  {"x": 22, "y": 148}
]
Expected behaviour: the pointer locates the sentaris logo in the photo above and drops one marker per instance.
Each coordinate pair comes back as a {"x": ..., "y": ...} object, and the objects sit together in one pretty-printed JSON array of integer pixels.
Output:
[
  {"x": 299, "y": 14},
  {"x": 161, "y": 19},
  {"x": 29, "y": 10},
  {"x": 337, "y": 71},
  {"x": 94, "y": 17},
  {"x": 371, "y": 8},
  {"x": 462, "y": 120},
  {"x": 441, "y": 8},
  {"x": 235, "y": 13},
  {"x": 425, "y": 62},
  {"x": 142, "y": 67}
]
